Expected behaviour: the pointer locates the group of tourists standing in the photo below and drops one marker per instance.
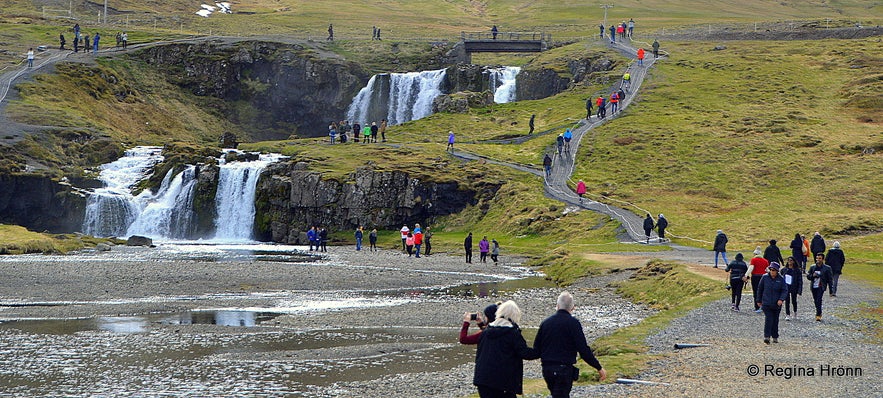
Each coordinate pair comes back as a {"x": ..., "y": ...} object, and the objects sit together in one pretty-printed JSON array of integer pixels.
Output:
[
  {"x": 342, "y": 132},
  {"x": 485, "y": 248},
  {"x": 318, "y": 238},
  {"x": 777, "y": 282},
  {"x": 499, "y": 366},
  {"x": 414, "y": 240}
]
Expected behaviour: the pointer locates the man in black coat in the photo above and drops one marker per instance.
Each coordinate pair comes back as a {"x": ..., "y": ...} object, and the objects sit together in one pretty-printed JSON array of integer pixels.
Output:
[
  {"x": 835, "y": 260},
  {"x": 720, "y": 247},
  {"x": 817, "y": 244},
  {"x": 661, "y": 225},
  {"x": 558, "y": 341},
  {"x": 648, "y": 226},
  {"x": 467, "y": 245},
  {"x": 772, "y": 253}
]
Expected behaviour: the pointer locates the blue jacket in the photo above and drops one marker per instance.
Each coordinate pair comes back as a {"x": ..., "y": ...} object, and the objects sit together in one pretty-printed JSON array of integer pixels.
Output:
[
  {"x": 311, "y": 235},
  {"x": 770, "y": 290}
]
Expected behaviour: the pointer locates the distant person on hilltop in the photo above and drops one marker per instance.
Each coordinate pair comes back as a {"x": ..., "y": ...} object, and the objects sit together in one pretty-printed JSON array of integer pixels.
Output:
[
  {"x": 62, "y": 41},
  {"x": 330, "y": 32},
  {"x": 494, "y": 32},
  {"x": 720, "y": 247},
  {"x": 601, "y": 28},
  {"x": 450, "y": 142},
  {"x": 95, "y": 40}
]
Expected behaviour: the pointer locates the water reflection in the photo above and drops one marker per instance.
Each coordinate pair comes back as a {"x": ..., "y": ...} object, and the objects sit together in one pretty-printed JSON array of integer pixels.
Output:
[{"x": 134, "y": 324}]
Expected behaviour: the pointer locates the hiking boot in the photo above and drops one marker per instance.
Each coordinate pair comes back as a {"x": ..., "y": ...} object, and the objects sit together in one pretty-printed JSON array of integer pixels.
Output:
[
  {"x": 766, "y": 340},
  {"x": 787, "y": 317},
  {"x": 818, "y": 318},
  {"x": 775, "y": 340}
]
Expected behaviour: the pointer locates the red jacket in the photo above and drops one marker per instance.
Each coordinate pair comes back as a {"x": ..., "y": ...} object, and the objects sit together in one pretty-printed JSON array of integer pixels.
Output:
[
  {"x": 760, "y": 265},
  {"x": 640, "y": 53},
  {"x": 418, "y": 238}
]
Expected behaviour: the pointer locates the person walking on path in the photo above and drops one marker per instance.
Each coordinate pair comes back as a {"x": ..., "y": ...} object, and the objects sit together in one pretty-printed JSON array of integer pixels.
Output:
[
  {"x": 797, "y": 251},
  {"x": 626, "y": 80},
  {"x": 655, "y": 48},
  {"x": 427, "y": 240},
  {"x": 612, "y": 34},
  {"x": 404, "y": 232},
  {"x": 757, "y": 268},
  {"x": 530, "y": 124},
  {"x": 580, "y": 190},
  {"x": 738, "y": 270},
  {"x": 450, "y": 142},
  {"x": 772, "y": 253},
  {"x": 820, "y": 277},
  {"x": 495, "y": 250},
  {"x": 602, "y": 110},
  {"x": 359, "y": 234},
  {"x": 559, "y": 141},
  {"x": 568, "y": 136},
  {"x": 720, "y": 247},
  {"x": 794, "y": 279},
  {"x": 62, "y": 41},
  {"x": 95, "y": 40},
  {"x": 773, "y": 292},
  {"x": 484, "y": 247},
  {"x": 372, "y": 239},
  {"x": 614, "y": 102},
  {"x": 125, "y": 39},
  {"x": 467, "y": 246},
  {"x": 330, "y": 32},
  {"x": 499, "y": 367},
  {"x": 547, "y": 165},
  {"x": 558, "y": 341},
  {"x": 835, "y": 260},
  {"x": 661, "y": 225},
  {"x": 640, "y": 57},
  {"x": 817, "y": 245},
  {"x": 30, "y": 56},
  {"x": 631, "y": 27},
  {"x": 601, "y": 28},
  {"x": 648, "y": 226},
  {"x": 589, "y": 108}
]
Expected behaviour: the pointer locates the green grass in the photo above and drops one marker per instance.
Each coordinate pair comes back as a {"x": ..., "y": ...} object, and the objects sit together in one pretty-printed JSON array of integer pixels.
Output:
[{"x": 18, "y": 240}]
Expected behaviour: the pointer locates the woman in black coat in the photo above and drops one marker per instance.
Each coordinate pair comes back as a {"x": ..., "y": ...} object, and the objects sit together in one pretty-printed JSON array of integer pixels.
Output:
[
  {"x": 501, "y": 349},
  {"x": 797, "y": 251}
]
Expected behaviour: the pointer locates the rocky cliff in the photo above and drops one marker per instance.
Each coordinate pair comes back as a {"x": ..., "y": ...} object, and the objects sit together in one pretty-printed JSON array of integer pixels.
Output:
[
  {"x": 271, "y": 89},
  {"x": 41, "y": 203},
  {"x": 290, "y": 198}
]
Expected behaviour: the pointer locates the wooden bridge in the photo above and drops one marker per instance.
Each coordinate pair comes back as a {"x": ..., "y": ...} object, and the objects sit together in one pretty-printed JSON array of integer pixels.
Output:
[{"x": 501, "y": 42}]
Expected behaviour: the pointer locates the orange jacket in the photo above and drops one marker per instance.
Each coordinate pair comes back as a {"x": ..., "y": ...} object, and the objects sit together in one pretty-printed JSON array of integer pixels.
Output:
[{"x": 640, "y": 53}]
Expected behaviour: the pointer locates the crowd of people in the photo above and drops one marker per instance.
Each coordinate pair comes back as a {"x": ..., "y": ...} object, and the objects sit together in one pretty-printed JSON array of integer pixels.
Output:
[
  {"x": 342, "y": 132},
  {"x": 776, "y": 282},
  {"x": 501, "y": 350}
]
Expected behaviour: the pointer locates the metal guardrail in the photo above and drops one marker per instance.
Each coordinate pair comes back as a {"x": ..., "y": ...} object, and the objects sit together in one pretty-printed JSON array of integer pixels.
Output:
[{"x": 509, "y": 36}]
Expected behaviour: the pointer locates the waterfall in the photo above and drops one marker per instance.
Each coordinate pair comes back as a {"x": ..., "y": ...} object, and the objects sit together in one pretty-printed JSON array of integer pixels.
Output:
[
  {"x": 396, "y": 97},
  {"x": 502, "y": 83},
  {"x": 234, "y": 201},
  {"x": 169, "y": 212},
  {"x": 110, "y": 209}
]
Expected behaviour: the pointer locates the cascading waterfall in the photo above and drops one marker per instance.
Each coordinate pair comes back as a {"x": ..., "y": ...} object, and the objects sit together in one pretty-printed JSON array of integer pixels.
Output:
[
  {"x": 110, "y": 210},
  {"x": 502, "y": 83},
  {"x": 169, "y": 212},
  {"x": 234, "y": 201},
  {"x": 396, "y": 97}
]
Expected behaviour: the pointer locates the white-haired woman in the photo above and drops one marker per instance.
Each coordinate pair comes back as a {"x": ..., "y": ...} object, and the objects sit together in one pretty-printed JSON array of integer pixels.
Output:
[{"x": 501, "y": 350}]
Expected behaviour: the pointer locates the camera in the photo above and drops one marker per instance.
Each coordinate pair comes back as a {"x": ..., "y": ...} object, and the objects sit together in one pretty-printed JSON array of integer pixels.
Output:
[{"x": 473, "y": 316}]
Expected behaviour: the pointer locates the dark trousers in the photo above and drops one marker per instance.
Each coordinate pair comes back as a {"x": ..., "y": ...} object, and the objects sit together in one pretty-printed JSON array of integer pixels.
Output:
[
  {"x": 468, "y": 255},
  {"x": 817, "y": 294},
  {"x": 373, "y": 244},
  {"x": 559, "y": 379},
  {"x": 428, "y": 248},
  {"x": 771, "y": 320},
  {"x": 410, "y": 250},
  {"x": 482, "y": 256},
  {"x": 661, "y": 233},
  {"x": 736, "y": 285},
  {"x": 494, "y": 257},
  {"x": 791, "y": 299},
  {"x": 833, "y": 288},
  {"x": 755, "y": 280},
  {"x": 404, "y": 245},
  {"x": 488, "y": 392}
]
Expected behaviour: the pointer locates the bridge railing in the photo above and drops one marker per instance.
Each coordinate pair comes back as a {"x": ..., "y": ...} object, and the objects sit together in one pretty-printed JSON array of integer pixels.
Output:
[{"x": 487, "y": 35}]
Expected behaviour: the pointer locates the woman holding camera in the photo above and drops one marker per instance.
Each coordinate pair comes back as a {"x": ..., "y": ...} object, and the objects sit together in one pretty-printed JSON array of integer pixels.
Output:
[{"x": 481, "y": 320}]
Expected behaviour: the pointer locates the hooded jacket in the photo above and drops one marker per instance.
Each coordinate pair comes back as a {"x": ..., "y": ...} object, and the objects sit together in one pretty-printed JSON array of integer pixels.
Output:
[
  {"x": 720, "y": 242},
  {"x": 498, "y": 359},
  {"x": 835, "y": 260},
  {"x": 773, "y": 254},
  {"x": 737, "y": 268}
]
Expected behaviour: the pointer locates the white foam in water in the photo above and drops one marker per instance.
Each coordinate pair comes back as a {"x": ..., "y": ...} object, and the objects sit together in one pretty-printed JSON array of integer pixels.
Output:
[
  {"x": 503, "y": 83},
  {"x": 234, "y": 201},
  {"x": 409, "y": 97}
]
